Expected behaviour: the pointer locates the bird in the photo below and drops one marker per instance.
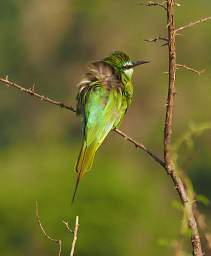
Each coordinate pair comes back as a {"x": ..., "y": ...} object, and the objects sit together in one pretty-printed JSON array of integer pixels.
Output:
[{"x": 104, "y": 95}]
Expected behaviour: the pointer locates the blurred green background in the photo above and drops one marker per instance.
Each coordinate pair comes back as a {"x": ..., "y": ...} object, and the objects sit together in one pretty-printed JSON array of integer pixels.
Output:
[{"x": 127, "y": 204}]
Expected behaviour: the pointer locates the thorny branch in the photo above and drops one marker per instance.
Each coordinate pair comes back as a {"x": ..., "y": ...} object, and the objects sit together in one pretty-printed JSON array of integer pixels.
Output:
[
  {"x": 59, "y": 242},
  {"x": 171, "y": 87},
  {"x": 31, "y": 91},
  {"x": 170, "y": 167},
  {"x": 62, "y": 105},
  {"x": 151, "y": 3},
  {"x": 159, "y": 38},
  {"x": 141, "y": 146},
  {"x": 156, "y": 39}
]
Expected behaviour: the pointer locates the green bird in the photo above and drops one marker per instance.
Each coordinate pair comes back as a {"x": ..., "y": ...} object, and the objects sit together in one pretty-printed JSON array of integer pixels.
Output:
[{"x": 104, "y": 96}]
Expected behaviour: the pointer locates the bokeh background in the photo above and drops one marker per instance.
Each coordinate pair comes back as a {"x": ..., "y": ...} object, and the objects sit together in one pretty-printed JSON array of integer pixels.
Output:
[{"x": 127, "y": 204}]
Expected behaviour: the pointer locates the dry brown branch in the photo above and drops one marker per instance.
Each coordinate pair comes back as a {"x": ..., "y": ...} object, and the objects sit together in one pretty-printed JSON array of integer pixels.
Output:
[
  {"x": 152, "y": 4},
  {"x": 171, "y": 87},
  {"x": 59, "y": 242},
  {"x": 193, "y": 23},
  {"x": 141, "y": 146},
  {"x": 31, "y": 91},
  {"x": 60, "y": 104},
  {"x": 198, "y": 72},
  {"x": 75, "y": 236},
  {"x": 170, "y": 167}
]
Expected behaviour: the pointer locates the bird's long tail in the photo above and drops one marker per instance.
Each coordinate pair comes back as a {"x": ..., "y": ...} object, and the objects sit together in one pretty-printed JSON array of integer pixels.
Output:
[{"x": 84, "y": 162}]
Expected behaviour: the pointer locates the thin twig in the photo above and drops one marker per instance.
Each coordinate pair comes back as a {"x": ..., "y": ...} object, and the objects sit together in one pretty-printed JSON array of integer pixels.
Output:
[
  {"x": 60, "y": 104},
  {"x": 141, "y": 146},
  {"x": 31, "y": 91},
  {"x": 170, "y": 167},
  {"x": 75, "y": 236},
  {"x": 191, "y": 24},
  {"x": 59, "y": 242},
  {"x": 152, "y": 4},
  {"x": 66, "y": 223},
  {"x": 190, "y": 69},
  {"x": 156, "y": 39}
]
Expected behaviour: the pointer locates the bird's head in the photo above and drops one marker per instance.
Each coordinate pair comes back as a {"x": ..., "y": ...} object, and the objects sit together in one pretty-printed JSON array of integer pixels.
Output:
[{"x": 122, "y": 62}]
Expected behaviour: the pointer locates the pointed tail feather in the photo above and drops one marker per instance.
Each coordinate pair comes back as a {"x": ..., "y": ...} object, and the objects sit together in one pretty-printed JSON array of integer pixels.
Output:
[
  {"x": 76, "y": 187},
  {"x": 84, "y": 162}
]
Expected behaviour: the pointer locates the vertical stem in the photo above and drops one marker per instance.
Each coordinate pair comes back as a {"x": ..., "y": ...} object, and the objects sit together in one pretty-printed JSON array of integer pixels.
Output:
[
  {"x": 75, "y": 236},
  {"x": 171, "y": 87},
  {"x": 169, "y": 165}
]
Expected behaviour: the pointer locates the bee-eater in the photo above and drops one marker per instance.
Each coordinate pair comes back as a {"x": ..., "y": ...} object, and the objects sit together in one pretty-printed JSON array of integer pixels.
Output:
[{"x": 104, "y": 96}]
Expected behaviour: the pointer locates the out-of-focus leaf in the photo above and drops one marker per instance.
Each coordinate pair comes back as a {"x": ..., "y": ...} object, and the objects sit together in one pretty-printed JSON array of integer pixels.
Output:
[{"x": 203, "y": 199}]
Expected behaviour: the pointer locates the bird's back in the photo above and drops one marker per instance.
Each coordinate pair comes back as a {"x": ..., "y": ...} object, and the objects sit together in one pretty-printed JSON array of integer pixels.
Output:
[{"x": 103, "y": 99}]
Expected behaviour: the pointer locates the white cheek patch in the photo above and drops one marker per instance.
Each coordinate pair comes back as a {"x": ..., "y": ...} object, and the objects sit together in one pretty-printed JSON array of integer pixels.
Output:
[{"x": 129, "y": 72}]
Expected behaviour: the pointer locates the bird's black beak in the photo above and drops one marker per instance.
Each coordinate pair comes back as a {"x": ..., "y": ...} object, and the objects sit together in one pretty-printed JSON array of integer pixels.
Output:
[{"x": 136, "y": 63}]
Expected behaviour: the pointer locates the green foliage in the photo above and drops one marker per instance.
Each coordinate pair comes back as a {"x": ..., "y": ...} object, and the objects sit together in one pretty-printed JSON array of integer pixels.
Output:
[
  {"x": 111, "y": 207},
  {"x": 203, "y": 199},
  {"x": 177, "y": 205},
  {"x": 164, "y": 242},
  {"x": 195, "y": 130}
]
